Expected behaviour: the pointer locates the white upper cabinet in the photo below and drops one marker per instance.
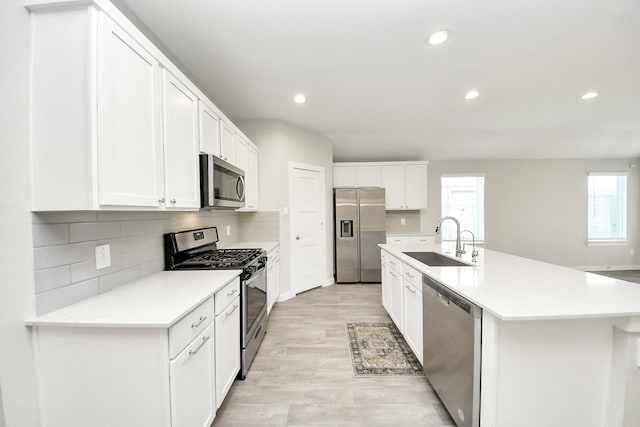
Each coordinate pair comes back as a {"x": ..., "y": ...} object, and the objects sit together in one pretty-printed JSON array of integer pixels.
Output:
[
  {"x": 415, "y": 189},
  {"x": 129, "y": 140},
  {"x": 405, "y": 183},
  {"x": 393, "y": 179},
  {"x": 180, "y": 131},
  {"x": 246, "y": 158},
  {"x": 110, "y": 108},
  {"x": 209, "y": 130},
  {"x": 227, "y": 142},
  {"x": 369, "y": 176},
  {"x": 345, "y": 176},
  {"x": 406, "y": 186},
  {"x": 357, "y": 176}
]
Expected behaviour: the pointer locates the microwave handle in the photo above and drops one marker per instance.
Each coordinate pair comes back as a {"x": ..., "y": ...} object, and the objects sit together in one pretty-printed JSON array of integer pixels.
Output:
[{"x": 240, "y": 187}]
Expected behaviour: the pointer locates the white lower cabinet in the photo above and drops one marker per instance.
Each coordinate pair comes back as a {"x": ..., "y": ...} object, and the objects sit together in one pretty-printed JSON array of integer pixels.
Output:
[
  {"x": 394, "y": 279},
  {"x": 402, "y": 298},
  {"x": 227, "y": 347},
  {"x": 273, "y": 277},
  {"x": 413, "y": 318},
  {"x": 192, "y": 383},
  {"x": 104, "y": 375}
]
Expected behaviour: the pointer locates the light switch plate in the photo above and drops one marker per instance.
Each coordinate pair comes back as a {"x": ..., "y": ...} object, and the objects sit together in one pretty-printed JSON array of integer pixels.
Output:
[
  {"x": 403, "y": 221},
  {"x": 103, "y": 256},
  {"x": 228, "y": 230}
]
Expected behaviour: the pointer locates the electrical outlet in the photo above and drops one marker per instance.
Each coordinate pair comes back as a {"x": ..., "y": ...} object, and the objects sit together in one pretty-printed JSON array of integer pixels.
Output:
[
  {"x": 403, "y": 221},
  {"x": 103, "y": 256},
  {"x": 228, "y": 230}
]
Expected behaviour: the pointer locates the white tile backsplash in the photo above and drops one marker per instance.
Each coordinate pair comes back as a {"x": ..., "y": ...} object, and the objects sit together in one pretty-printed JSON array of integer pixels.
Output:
[
  {"x": 54, "y": 256},
  {"x": 86, "y": 231},
  {"x": 51, "y": 278},
  {"x": 259, "y": 226},
  {"x": 64, "y": 249},
  {"x": 66, "y": 295},
  {"x": 50, "y": 234}
]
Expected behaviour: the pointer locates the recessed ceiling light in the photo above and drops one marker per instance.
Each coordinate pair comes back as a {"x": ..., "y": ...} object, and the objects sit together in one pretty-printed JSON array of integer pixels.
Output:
[
  {"x": 300, "y": 98},
  {"x": 438, "y": 37},
  {"x": 472, "y": 94},
  {"x": 590, "y": 95}
]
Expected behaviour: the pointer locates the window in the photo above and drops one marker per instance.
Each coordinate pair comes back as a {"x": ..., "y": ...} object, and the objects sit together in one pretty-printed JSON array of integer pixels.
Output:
[
  {"x": 463, "y": 199},
  {"x": 607, "y": 206}
]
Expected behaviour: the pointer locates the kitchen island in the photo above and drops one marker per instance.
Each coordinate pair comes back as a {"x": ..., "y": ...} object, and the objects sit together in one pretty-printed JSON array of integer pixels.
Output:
[{"x": 559, "y": 346}]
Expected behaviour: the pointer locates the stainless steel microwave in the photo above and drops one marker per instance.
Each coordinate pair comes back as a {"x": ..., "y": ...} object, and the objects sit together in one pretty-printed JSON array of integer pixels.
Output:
[{"x": 221, "y": 184}]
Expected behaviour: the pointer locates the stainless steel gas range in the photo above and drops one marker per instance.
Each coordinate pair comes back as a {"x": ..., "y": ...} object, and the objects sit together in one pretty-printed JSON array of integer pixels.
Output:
[{"x": 197, "y": 250}]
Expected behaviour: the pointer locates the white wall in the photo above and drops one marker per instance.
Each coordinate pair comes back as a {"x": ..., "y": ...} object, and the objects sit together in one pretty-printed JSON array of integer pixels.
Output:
[
  {"x": 17, "y": 374},
  {"x": 538, "y": 208},
  {"x": 279, "y": 143}
]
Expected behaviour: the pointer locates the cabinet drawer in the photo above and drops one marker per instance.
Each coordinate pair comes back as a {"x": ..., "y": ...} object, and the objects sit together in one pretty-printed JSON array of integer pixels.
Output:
[
  {"x": 412, "y": 275},
  {"x": 225, "y": 295},
  {"x": 187, "y": 328},
  {"x": 394, "y": 264}
]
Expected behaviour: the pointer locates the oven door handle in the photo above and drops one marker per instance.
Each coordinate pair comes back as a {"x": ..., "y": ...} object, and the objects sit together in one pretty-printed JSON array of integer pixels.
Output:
[{"x": 259, "y": 272}]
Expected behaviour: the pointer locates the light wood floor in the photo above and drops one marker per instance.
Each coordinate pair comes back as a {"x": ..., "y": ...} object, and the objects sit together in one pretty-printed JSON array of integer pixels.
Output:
[{"x": 302, "y": 375}]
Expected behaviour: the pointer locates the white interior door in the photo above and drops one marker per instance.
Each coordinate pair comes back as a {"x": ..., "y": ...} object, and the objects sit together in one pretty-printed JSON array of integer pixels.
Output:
[{"x": 307, "y": 210}]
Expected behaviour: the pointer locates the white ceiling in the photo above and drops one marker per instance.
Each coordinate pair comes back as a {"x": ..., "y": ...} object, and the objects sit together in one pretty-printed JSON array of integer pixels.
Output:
[{"x": 381, "y": 93}]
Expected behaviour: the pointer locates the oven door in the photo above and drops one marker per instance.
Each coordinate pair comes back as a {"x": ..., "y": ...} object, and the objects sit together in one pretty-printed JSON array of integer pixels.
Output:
[{"x": 254, "y": 298}]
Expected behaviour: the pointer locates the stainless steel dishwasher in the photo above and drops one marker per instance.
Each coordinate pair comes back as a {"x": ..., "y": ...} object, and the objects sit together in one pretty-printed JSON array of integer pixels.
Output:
[{"x": 452, "y": 329}]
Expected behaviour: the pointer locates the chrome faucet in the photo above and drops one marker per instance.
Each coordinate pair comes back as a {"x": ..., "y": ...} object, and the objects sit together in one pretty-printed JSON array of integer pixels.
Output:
[
  {"x": 474, "y": 251},
  {"x": 459, "y": 250}
]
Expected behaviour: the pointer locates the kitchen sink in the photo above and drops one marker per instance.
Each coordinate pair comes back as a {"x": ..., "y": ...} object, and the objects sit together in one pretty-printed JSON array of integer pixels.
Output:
[{"x": 434, "y": 259}]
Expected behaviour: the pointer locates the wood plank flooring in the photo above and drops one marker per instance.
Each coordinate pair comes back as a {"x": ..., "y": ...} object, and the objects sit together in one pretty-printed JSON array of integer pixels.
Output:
[{"x": 302, "y": 374}]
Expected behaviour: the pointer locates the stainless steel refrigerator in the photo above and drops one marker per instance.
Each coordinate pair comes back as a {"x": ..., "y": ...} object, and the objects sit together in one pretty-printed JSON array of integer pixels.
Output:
[{"x": 359, "y": 223}]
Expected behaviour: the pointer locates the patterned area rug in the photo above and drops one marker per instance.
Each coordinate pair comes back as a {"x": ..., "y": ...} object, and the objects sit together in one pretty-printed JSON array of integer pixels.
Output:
[{"x": 378, "y": 349}]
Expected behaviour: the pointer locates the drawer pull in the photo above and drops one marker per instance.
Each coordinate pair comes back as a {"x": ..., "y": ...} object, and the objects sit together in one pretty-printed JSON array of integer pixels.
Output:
[
  {"x": 229, "y": 313},
  {"x": 232, "y": 292},
  {"x": 410, "y": 290},
  {"x": 204, "y": 340},
  {"x": 393, "y": 274},
  {"x": 202, "y": 319},
  {"x": 410, "y": 275}
]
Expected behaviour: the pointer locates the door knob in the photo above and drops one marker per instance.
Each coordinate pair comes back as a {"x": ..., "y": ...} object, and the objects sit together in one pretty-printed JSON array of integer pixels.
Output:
[{"x": 297, "y": 237}]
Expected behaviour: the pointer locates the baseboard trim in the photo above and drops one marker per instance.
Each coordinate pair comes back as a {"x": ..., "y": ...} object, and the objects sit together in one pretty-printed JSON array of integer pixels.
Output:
[
  {"x": 608, "y": 267},
  {"x": 327, "y": 282},
  {"x": 284, "y": 296}
]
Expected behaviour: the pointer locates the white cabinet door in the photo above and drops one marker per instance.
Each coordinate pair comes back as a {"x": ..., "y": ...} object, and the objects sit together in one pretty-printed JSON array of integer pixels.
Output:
[
  {"x": 422, "y": 239},
  {"x": 415, "y": 187},
  {"x": 385, "y": 285},
  {"x": 345, "y": 176},
  {"x": 369, "y": 176},
  {"x": 209, "y": 130},
  {"x": 251, "y": 180},
  {"x": 241, "y": 154},
  {"x": 413, "y": 318},
  {"x": 273, "y": 281},
  {"x": 180, "y": 126},
  {"x": 129, "y": 135},
  {"x": 192, "y": 383},
  {"x": 398, "y": 239},
  {"x": 227, "y": 142},
  {"x": 393, "y": 182},
  {"x": 395, "y": 297},
  {"x": 227, "y": 325}
]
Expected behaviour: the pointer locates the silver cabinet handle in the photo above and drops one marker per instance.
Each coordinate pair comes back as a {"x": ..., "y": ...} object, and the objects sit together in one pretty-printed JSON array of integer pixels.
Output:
[
  {"x": 173, "y": 201},
  {"x": 232, "y": 292},
  {"x": 204, "y": 340},
  {"x": 202, "y": 319},
  {"x": 229, "y": 313},
  {"x": 161, "y": 200},
  {"x": 410, "y": 275},
  {"x": 409, "y": 288},
  {"x": 393, "y": 274}
]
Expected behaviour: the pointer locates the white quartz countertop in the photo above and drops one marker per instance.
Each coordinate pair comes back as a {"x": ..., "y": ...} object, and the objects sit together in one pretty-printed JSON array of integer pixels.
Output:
[
  {"x": 516, "y": 288},
  {"x": 158, "y": 300},
  {"x": 267, "y": 246}
]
